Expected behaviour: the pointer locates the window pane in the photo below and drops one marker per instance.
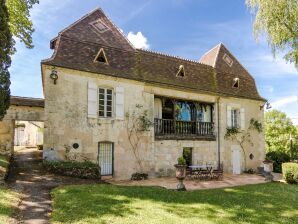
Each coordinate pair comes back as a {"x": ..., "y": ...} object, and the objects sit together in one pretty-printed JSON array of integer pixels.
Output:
[
  {"x": 109, "y": 103},
  {"x": 101, "y": 113},
  {"x": 109, "y": 97},
  {"x": 109, "y": 114},
  {"x": 109, "y": 108},
  {"x": 101, "y": 107},
  {"x": 101, "y": 102},
  {"x": 109, "y": 91},
  {"x": 101, "y": 91}
]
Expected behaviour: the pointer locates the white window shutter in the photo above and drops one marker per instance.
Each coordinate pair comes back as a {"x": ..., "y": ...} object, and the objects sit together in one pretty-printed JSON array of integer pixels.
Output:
[
  {"x": 229, "y": 117},
  {"x": 157, "y": 108},
  {"x": 242, "y": 118},
  {"x": 92, "y": 100},
  {"x": 120, "y": 102}
]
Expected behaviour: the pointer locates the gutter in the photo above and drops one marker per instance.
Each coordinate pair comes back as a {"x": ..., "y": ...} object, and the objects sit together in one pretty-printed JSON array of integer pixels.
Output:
[{"x": 218, "y": 133}]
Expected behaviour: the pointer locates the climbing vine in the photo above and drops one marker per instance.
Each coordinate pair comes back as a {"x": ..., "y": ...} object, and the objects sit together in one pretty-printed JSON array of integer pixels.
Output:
[{"x": 244, "y": 136}]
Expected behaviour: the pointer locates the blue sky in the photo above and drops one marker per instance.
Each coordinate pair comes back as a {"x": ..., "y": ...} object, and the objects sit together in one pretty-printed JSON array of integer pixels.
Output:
[{"x": 186, "y": 28}]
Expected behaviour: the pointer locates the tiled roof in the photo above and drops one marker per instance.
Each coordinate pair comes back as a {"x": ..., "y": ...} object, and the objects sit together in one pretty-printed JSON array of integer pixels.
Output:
[
  {"x": 77, "y": 46},
  {"x": 26, "y": 101}
]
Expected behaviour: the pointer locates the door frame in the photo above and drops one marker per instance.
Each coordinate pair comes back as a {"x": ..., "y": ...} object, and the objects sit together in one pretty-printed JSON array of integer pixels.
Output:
[{"x": 98, "y": 152}]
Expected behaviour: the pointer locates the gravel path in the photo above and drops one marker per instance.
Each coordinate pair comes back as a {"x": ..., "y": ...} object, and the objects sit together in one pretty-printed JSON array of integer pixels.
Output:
[{"x": 28, "y": 177}]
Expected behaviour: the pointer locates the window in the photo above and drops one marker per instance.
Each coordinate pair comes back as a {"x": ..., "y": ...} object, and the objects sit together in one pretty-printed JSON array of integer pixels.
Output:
[
  {"x": 235, "y": 118},
  {"x": 181, "y": 72},
  {"x": 236, "y": 82},
  {"x": 99, "y": 26},
  {"x": 101, "y": 57},
  {"x": 105, "y": 102}
]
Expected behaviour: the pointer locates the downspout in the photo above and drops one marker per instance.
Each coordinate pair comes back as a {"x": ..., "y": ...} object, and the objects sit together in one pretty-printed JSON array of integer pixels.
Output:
[{"x": 218, "y": 132}]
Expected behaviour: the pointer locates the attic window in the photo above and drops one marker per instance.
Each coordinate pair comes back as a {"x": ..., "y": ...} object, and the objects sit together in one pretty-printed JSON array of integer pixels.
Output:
[
  {"x": 228, "y": 60},
  {"x": 236, "y": 82},
  {"x": 99, "y": 26},
  {"x": 101, "y": 57},
  {"x": 181, "y": 72}
]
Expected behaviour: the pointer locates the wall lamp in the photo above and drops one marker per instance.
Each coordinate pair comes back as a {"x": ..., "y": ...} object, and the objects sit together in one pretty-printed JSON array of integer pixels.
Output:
[
  {"x": 267, "y": 106},
  {"x": 54, "y": 75}
]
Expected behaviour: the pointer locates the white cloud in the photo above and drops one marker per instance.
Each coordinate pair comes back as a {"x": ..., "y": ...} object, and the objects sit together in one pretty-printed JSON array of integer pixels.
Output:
[
  {"x": 138, "y": 40},
  {"x": 284, "y": 101}
]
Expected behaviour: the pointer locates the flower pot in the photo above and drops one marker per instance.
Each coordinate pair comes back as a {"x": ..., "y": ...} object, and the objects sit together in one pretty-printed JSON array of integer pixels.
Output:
[
  {"x": 180, "y": 175},
  {"x": 268, "y": 166}
]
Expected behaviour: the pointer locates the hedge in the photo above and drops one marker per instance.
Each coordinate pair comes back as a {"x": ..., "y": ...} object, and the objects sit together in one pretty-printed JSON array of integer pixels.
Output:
[
  {"x": 86, "y": 170},
  {"x": 290, "y": 172}
]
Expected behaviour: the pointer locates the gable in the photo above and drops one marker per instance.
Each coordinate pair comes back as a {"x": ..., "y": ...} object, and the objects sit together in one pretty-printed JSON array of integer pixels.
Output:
[{"x": 97, "y": 28}]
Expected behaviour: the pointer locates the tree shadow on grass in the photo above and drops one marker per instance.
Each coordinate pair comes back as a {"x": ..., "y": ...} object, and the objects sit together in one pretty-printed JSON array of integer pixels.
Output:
[{"x": 262, "y": 203}]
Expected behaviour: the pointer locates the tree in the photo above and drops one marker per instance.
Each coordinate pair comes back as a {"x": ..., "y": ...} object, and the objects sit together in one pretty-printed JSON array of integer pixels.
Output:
[
  {"x": 14, "y": 21},
  {"x": 278, "y": 130},
  {"x": 19, "y": 20},
  {"x": 6, "y": 49},
  {"x": 278, "y": 21}
]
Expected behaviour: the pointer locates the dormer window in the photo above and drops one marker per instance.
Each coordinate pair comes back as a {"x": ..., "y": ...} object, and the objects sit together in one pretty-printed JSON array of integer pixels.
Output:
[
  {"x": 236, "y": 82},
  {"x": 101, "y": 57},
  {"x": 181, "y": 72}
]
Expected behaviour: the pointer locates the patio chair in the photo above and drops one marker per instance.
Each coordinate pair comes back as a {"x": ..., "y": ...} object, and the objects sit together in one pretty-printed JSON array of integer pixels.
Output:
[{"x": 218, "y": 173}]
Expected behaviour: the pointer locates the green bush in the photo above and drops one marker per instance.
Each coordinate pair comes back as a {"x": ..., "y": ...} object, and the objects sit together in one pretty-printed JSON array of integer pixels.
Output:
[
  {"x": 181, "y": 161},
  {"x": 87, "y": 170},
  {"x": 278, "y": 158},
  {"x": 290, "y": 172}
]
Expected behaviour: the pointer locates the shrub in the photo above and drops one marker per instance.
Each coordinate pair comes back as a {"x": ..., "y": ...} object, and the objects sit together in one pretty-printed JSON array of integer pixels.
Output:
[
  {"x": 278, "y": 158},
  {"x": 181, "y": 161},
  {"x": 40, "y": 147},
  {"x": 86, "y": 170},
  {"x": 290, "y": 172}
]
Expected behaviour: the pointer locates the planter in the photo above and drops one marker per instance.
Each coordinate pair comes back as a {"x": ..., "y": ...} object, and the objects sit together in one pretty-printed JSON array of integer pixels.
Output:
[
  {"x": 180, "y": 175},
  {"x": 268, "y": 166}
]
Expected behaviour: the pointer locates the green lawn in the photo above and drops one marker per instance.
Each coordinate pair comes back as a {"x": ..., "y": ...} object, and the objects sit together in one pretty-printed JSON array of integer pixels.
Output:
[
  {"x": 8, "y": 203},
  {"x": 263, "y": 203},
  {"x": 4, "y": 161}
]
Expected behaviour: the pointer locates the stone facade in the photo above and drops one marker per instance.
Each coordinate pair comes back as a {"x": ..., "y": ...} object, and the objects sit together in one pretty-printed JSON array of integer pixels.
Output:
[
  {"x": 66, "y": 123},
  {"x": 17, "y": 113}
]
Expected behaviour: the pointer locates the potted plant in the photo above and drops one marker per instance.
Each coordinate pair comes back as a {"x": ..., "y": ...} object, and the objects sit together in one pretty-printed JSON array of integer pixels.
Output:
[
  {"x": 181, "y": 173},
  {"x": 268, "y": 165}
]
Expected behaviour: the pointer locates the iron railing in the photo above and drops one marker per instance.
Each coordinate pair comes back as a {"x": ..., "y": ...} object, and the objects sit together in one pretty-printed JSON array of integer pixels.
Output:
[{"x": 168, "y": 127}]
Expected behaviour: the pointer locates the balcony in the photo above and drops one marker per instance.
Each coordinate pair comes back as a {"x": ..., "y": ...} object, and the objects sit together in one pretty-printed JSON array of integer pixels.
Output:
[{"x": 183, "y": 130}]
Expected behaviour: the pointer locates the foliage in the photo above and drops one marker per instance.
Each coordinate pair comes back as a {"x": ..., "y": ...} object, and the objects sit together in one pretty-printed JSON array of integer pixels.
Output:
[
  {"x": 290, "y": 172},
  {"x": 243, "y": 137},
  {"x": 100, "y": 203},
  {"x": 40, "y": 147},
  {"x": 9, "y": 200},
  {"x": 85, "y": 169},
  {"x": 20, "y": 23},
  {"x": 181, "y": 161},
  {"x": 278, "y": 158},
  {"x": 139, "y": 176},
  {"x": 6, "y": 49},
  {"x": 138, "y": 123},
  {"x": 278, "y": 130},
  {"x": 278, "y": 20}
]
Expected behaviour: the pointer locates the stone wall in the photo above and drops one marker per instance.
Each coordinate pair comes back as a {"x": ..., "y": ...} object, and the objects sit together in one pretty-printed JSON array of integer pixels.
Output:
[
  {"x": 66, "y": 122},
  {"x": 24, "y": 113}
]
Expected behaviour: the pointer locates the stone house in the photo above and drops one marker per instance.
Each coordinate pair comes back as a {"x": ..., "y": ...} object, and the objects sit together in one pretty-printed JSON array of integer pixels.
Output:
[{"x": 96, "y": 80}]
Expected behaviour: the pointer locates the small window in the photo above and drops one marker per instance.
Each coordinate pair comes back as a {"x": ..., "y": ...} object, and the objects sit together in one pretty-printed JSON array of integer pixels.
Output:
[
  {"x": 99, "y": 26},
  {"x": 236, "y": 82},
  {"x": 181, "y": 72},
  {"x": 235, "y": 118},
  {"x": 105, "y": 104},
  {"x": 101, "y": 56}
]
